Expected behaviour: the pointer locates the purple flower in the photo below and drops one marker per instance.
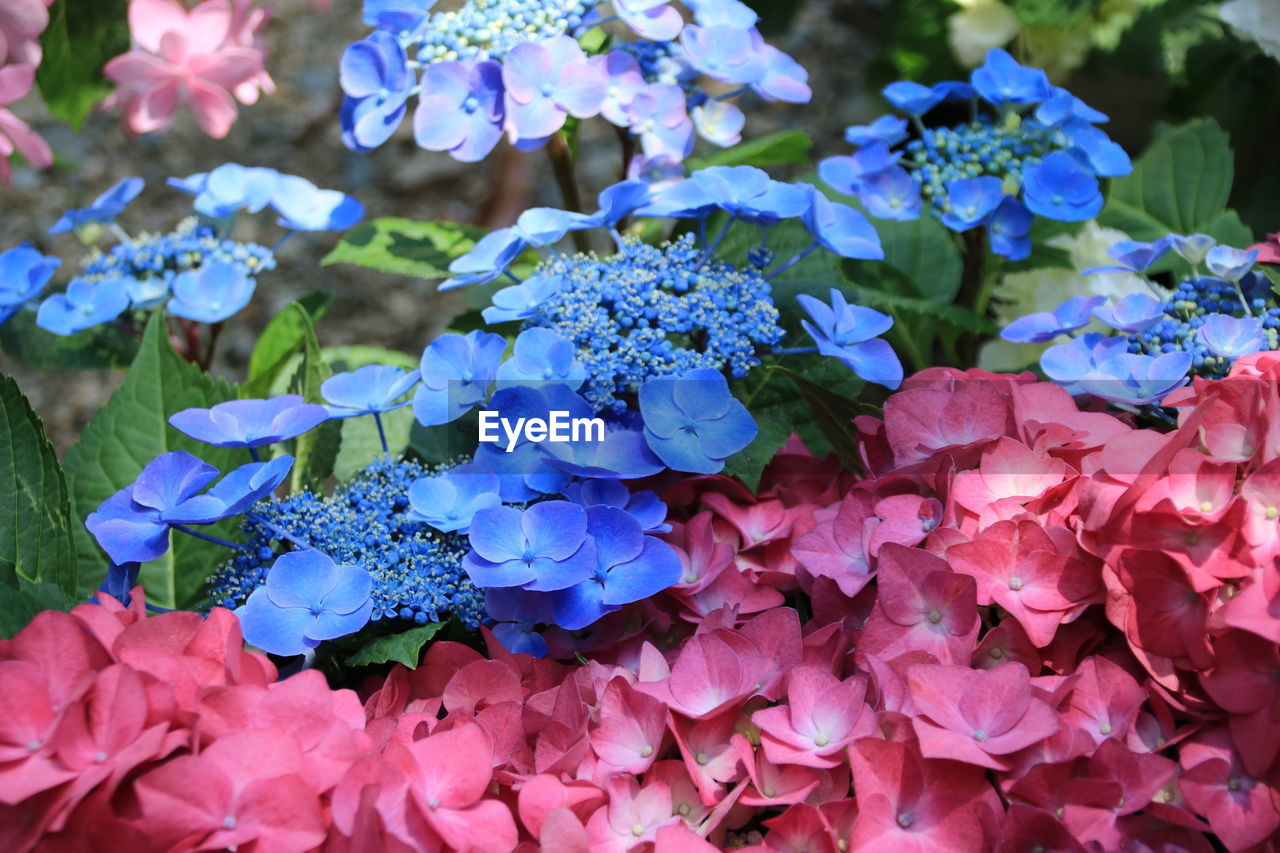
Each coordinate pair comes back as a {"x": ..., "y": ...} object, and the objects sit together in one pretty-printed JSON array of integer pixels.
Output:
[
  {"x": 657, "y": 115},
  {"x": 725, "y": 53},
  {"x": 84, "y": 304},
  {"x": 545, "y": 547},
  {"x": 630, "y": 566},
  {"x": 1230, "y": 264},
  {"x": 377, "y": 80},
  {"x": 1044, "y": 326},
  {"x": 649, "y": 19},
  {"x": 783, "y": 79},
  {"x": 624, "y": 453},
  {"x": 1068, "y": 364},
  {"x": 460, "y": 109},
  {"x": 23, "y": 274},
  {"x": 212, "y": 293},
  {"x": 1193, "y": 247},
  {"x": 1136, "y": 379},
  {"x": 847, "y": 173},
  {"x": 719, "y": 123},
  {"x": 371, "y": 389},
  {"x": 850, "y": 334},
  {"x": 645, "y": 506},
  {"x": 623, "y": 81},
  {"x": 307, "y": 598},
  {"x": 693, "y": 422},
  {"x": 250, "y": 423},
  {"x": 522, "y": 469},
  {"x": 1133, "y": 313},
  {"x": 1230, "y": 337},
  {"x": 545, "y": 83},
  {"x": 456, "y": 373}
]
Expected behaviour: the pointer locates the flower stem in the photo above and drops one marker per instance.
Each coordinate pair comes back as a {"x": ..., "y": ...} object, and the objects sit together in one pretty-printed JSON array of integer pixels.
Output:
[
  {"x": 239, "y": 546},
  {"x": 706, "y": 255},
  {"x": 382, "y": 435},
  {"x": 797, "y": 258},
  {"x": 280, "y": 532},
  {"x": 562, "y": 167}
]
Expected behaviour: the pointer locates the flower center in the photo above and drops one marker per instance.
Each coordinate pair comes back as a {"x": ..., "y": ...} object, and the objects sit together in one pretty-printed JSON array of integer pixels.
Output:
[
  {"x": 979, "y": 735},
  {"x": 935, "y": 616},
  {"x": 904, "y": 820},
  {"x": 1015, "y": 584}
]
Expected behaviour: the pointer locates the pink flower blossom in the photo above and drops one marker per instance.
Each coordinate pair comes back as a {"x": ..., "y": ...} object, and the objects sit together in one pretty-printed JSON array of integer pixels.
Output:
[{"x": 15, "y": 135}]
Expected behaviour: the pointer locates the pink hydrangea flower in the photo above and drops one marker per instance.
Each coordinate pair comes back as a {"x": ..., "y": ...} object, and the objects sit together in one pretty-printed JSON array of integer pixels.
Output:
[
  {"x": 15, "y": 135},
  {"x": 204, "y": 58}
]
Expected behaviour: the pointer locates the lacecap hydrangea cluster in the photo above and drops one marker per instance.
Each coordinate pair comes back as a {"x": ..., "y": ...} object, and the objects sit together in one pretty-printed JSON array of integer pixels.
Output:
[
  {"x": 1029, "y": 149},
  {"x": 196, "y": 271},
  {"x": 517, "y": 67},
  {"x": 1155, "y": 342},
  {"x": 416, "y": 570},
  {"x": 649, "y": 311}
]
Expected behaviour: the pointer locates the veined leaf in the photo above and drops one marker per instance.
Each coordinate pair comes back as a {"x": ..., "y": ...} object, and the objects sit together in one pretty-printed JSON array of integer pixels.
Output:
[{"x": 405, "y": 246}]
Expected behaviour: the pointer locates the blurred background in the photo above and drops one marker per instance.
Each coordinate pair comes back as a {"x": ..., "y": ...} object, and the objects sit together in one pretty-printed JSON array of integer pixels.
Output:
[{"x": 1144, "y": 62}]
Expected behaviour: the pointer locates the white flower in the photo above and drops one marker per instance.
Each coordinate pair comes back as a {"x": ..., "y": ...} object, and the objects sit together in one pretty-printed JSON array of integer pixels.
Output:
[
  {"x": 1256, "y": 20},
  {"x": 979, "y": 27}
]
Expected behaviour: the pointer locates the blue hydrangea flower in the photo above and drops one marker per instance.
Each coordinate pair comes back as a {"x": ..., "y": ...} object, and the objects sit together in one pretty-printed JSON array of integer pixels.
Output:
[
  {"x": 644, "y": 506},
  {"x": 229, "y": 188},
  {"x": 105, "y": 208},
  {"x": 1230, "y": 264},
  {"x": 693, "y": 422},
  {"x": 1193, "y": 247},
  {"x": 891, "y": 194},
  {"x": 307, "y": 598},
  {"x": 461, "y": 110},
  {"x": 624, "y": 452},
  {"x": 1230, "y": 337},
  {"x": 541, "y": 355},
  {"x": 725, "y": 53},
  {"x": 521, "y": 301},
  {"x": 783, "y": 79},
  {"x": 547, "y": 82},
  {"x": 1134, "y": 313},
  {"x": 623, "y": 81},
  {"x": 487, "y": 260},
  {"x": 849, "y": 334},
  {"x": 1105, "y": 158},
  {"x": 449, "y": 500},
  {"x": 83, "y": 305},
  {"x": 743, "y": 191},
  {"x": 522, "y": 469},
  {"x": 250, "y": 423},
  {"x": 841, "y": 229},
  {"x": 1070, "y": 363},
  {"x": 1001, "y": 80},
  {"x": 377, "y": 80},
  {"x": 1009, "y": 229},
  {"x": 23, "y": 274},
  {"x": 368, "y": 390},
  {"x": 970, "y": 201},
  {"x": 1133, "y": 256},
  {"x": 518, "y": 614},
  {"x": 545, "y": 547},
  {"x": 912, "y": 98},
  {"x": 650, "y": 19},
  {"x": 133, "y": 524},
  {"x": 395, "y": 15},
  {"x": 887, "y": 129},
  {"x": 630, "y": 566},
  {"x": 305, "y": 207},
  {"x": 210, "y": 294},
  {"x": 1137, "y": 380},
  {"x": 1058, "y": 187},
  {"x": 1044, "y": 326},
  {"x": 456, "y": 373},
  {"x": 849, "y": 174},
  {"x": 417, "y": 570},
  {"x": 658, "y": 116}
]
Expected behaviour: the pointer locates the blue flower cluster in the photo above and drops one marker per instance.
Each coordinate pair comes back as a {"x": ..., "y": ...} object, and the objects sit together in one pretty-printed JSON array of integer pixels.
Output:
[
  {"x": 416, "y": 570},
  {"x": 515, "y": 67},
  {"x": 194, "y": 271},
  {"x": 1199, "y": 329},
  {"x": 650, "y": 311},
  {"x": 1036, "y": 153}
]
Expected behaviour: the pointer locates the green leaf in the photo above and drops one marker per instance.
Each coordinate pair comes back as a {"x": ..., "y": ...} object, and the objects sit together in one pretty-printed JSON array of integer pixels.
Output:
[
  {"x": 405, "y": 647},
  {"x": 103, "y": 347},
  {"x": 405, "y": 246},
  {"x": 82, "y": 35},
  {"x": 1052, "y": 14},
  {"x": 444, "y": 444},
  {"x": 784, "y": 148},
  {"x": 1179, "y": 185},
  {"x": 923, "y": 250},
  {"x": 35, "y": 513},
  {"x": 126, "y": 434},
  {"x": 834, "y": 414},
  {"x": 20, "y": 603},
  {"x": 748, "y": 464},
  {"x": 316, "y": 450},
  {"x": 282, "y": 337}
]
